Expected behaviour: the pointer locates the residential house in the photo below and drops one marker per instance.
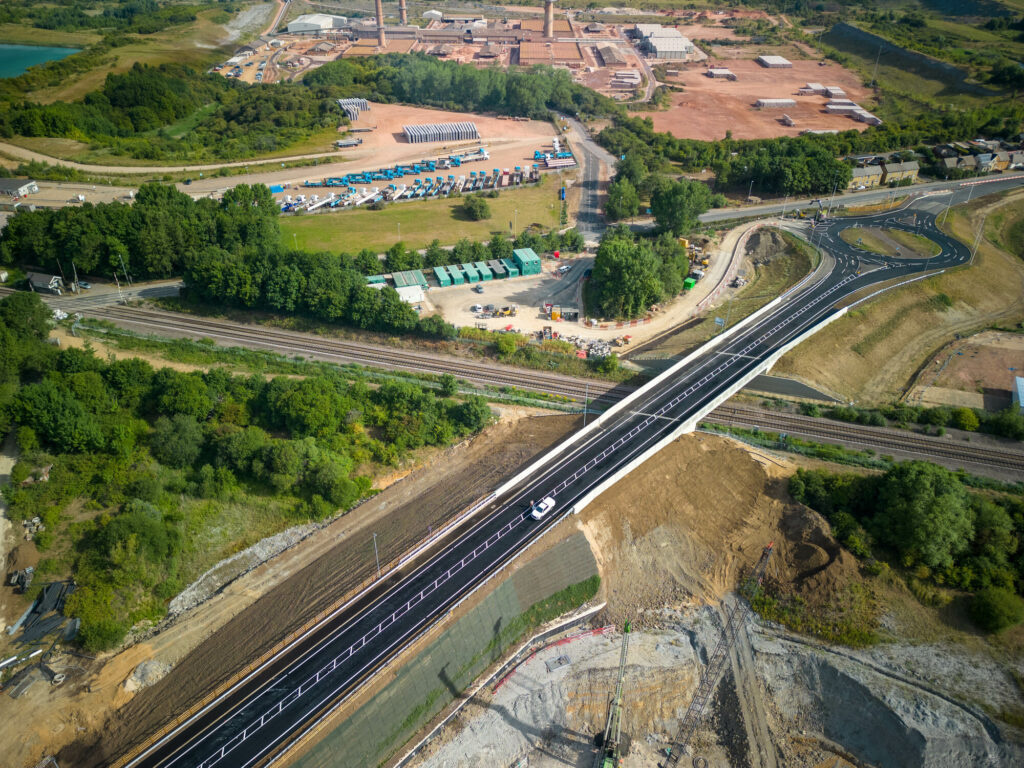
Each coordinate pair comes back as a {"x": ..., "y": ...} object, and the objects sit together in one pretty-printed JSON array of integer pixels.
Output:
[
  {"x": 866, "y": 176},
  {"x": 893, "y": 173}
]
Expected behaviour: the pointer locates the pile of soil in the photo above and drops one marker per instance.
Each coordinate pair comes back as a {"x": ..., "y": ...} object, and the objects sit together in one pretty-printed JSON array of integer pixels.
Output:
[
  {"x": 765, "y": 244},
  {"x": 692, "y": 521}
]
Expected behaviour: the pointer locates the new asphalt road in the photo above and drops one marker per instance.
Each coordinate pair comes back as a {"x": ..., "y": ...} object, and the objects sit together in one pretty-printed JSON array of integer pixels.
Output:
[{"x": 247, "y": 725}]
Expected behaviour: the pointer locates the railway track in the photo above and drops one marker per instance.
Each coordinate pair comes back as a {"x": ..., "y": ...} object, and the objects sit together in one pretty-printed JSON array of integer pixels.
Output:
[
  {"x": 882, "y": 438},
  {"x": 336, "y": 350},
  {"x": 396, "y": 359}
]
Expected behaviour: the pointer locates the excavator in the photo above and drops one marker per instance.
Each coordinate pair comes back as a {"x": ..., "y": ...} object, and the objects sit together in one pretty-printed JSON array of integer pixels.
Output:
[{"x": 612, "y": 749}]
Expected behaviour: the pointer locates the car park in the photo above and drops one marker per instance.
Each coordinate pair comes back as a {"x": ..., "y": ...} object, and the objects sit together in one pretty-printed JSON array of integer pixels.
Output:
[{"x": 542, "y": 507}]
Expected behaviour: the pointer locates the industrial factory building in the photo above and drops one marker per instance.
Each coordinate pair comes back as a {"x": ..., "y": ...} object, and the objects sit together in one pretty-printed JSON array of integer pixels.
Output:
[
  {"x": 676, "y": 48},
  {"x": 774, "y": 62},
  {"x": 313, "y": 23},
  {"x": 420, "y": 134}
]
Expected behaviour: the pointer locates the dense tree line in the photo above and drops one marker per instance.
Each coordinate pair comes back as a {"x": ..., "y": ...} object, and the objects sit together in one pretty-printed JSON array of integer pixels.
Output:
[
  {"x": 422, "y": 79},
  {"x": 154, "y": 236},
  {"x": 321, "y": 285},
  {"x": 131, "y": 112},
  {"x": 922, "y": 517},
  {"x": 631, "y": 273},
  {"x": 135, "y": 16},
  {"x": 135, "y": 443}
]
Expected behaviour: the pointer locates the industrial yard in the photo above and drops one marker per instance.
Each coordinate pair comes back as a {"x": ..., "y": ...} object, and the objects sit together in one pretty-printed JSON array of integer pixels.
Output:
[{"x": 709, "y": 106}]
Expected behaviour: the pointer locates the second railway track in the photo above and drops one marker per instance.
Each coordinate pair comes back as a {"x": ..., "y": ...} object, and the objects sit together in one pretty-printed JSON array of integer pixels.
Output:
[
  {"x": 390, "y": 358},
  {"x": 397, "y": 359}
]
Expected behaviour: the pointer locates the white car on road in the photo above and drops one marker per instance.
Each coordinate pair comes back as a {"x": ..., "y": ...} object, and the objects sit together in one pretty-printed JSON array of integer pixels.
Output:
[{"x": 542, "y": 507}]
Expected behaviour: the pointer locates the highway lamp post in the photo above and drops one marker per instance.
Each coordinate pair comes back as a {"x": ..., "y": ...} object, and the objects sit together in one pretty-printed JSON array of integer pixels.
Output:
[
  {"x": 375, "y": 555},
  {"x": 586, "y": 403}
]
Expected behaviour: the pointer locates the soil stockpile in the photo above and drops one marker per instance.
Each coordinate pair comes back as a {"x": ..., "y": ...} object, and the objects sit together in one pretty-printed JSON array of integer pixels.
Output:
[{"x": 692, "y": 520}]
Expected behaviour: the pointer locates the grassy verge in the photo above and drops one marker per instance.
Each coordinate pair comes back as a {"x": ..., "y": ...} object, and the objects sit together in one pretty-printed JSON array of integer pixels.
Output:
[
  {"x": 419, "y": 222},
  {"x": 878, "y": 241},
  {"x": 17, "y": 34},
  {"x": 542, "y": 612}
]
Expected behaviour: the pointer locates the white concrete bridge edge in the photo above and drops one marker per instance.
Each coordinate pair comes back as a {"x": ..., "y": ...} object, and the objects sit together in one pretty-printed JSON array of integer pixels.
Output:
[{"x": 690, "y": 424}]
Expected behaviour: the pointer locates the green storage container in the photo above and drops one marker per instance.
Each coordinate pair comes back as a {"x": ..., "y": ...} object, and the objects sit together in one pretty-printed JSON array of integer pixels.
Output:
[
  {"x": 456, "y": 273},
  {"x": 510, "y": 266}
]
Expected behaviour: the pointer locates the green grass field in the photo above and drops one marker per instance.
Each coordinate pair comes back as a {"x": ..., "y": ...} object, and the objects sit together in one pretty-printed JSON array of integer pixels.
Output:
[
  {"x": 881, "y": 242},
  {"x": 420, "y": 222},
  {"x": 16, "y": 34}
]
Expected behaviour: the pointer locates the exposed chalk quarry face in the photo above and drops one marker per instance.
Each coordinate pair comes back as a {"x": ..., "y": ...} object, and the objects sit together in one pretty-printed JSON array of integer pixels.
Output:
[{"x": 880, "y": 715}]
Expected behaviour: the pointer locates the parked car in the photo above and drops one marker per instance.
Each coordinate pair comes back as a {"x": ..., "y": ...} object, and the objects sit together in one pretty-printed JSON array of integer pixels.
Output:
[
  {"x": 489, "y": 308},
  {"x": 476, "y": 308},
  {"x": 478, "y": 288},
  {"x": 542, "y": 507},
  {"x": 84, "y": 285}
]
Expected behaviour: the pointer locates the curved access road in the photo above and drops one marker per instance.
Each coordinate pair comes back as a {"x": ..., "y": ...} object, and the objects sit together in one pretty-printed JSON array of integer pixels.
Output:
[{"x": 287, "y": 696}]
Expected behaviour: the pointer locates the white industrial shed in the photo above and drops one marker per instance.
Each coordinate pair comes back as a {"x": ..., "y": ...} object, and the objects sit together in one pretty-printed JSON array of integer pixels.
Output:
[
  {"x": 669, "y": 47},
  {"x": 774, "y": 62},
  {"x": 433, "y": 15},
  {"x": 419, "y": 134},
  {"x": 312, "y": 23},
  {"x": 774, "y": 103}
]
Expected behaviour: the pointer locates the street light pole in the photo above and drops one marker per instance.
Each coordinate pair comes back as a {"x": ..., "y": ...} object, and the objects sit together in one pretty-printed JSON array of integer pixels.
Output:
[
  {"x": 375, "y": 555},
  {"x": 586, "y": 403}
]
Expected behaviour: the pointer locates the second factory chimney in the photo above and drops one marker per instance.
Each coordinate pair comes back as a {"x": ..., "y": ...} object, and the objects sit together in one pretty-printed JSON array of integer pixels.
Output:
[
  {"x": 549, "y": 18},
  {"x": 381, "y": 40},
  {"x": 403, "y": 14}
]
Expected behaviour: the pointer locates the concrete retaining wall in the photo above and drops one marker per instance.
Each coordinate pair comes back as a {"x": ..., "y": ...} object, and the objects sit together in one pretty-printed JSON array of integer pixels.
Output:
[{"x": 421, "y": 688}]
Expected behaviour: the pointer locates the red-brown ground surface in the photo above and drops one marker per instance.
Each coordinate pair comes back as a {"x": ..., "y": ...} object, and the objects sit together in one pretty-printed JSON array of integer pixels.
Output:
[{"x": 709, "y": 107}]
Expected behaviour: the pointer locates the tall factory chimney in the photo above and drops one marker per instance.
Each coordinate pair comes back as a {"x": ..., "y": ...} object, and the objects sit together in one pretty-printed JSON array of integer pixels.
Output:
[
  {"x": 381, "y": 40},
  {"x": 403, "y": 14},
  {"x": 549, "y": 18}
]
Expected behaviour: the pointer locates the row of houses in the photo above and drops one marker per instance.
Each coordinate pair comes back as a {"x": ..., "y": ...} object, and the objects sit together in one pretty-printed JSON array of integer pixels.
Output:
[
  {"x": 984, "y": 162},
  {"x": 869, "y": 176}
]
